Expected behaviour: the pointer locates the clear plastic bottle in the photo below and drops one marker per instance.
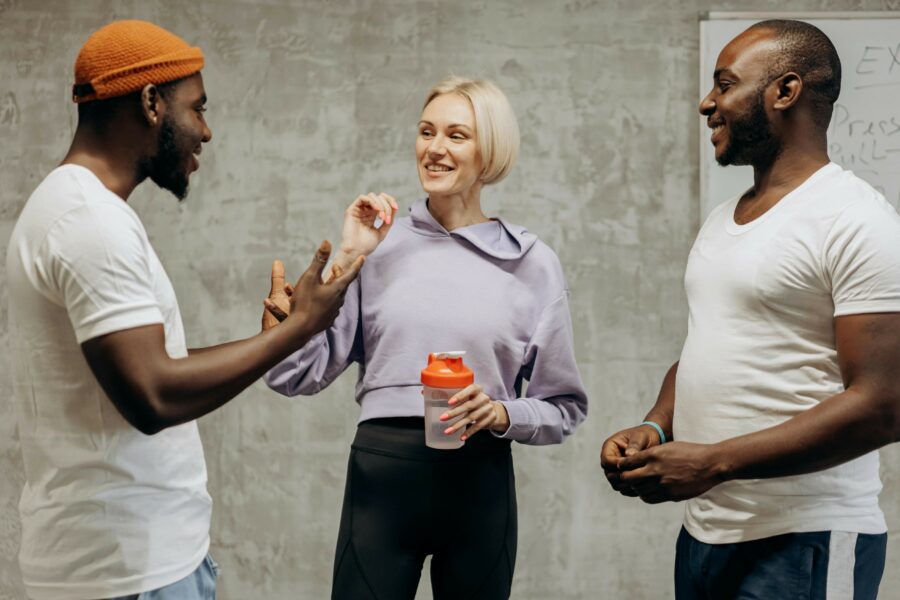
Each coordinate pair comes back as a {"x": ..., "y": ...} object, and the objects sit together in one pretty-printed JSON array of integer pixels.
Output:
[{"x": 445, "y": 375}]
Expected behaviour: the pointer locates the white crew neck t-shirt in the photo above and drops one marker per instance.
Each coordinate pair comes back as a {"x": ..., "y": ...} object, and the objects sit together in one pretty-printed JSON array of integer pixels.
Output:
[
  {"x": 760, "y": 347},
  {"x": 106, "y": 510}
]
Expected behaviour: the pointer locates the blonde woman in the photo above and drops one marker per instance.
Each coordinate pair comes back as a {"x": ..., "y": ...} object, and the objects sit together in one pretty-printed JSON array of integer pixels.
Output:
[{"x": 445, "y": 277}]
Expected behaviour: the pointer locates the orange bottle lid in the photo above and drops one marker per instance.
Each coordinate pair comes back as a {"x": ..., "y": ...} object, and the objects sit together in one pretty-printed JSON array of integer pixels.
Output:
[{"x": 446, "y": 370}]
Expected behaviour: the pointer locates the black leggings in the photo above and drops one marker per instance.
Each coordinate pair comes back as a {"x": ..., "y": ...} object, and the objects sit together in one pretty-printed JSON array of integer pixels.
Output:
[{"x": 404, "y": 501}]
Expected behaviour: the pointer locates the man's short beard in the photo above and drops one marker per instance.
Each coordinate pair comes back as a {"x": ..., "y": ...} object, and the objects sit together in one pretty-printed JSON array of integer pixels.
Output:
[
  {"x": 166, "y": 168},
  {"x": 751, "y": 140}
]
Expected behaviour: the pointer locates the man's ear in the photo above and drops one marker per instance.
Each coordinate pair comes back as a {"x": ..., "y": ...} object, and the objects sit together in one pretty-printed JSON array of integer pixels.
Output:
[
  {"x": 153, "y": 106},
  {"x": 788, "y": 89}
]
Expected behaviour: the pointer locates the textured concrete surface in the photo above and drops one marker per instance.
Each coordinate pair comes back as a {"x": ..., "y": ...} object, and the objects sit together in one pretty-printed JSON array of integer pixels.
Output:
[{"x": 312, "y": 103}]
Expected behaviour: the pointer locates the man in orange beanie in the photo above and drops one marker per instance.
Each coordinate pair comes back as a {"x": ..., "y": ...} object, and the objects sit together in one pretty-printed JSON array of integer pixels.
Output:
[{"x": 115, "y": 501}]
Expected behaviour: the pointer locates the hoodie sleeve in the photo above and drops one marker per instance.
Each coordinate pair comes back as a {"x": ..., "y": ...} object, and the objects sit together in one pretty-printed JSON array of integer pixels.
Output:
[
  {"x": 556, "y": 401},
  {"x": 313, "y": 367}
]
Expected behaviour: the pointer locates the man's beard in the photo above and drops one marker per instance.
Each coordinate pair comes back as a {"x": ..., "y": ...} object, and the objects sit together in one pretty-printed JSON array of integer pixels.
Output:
[
  {"x": 751, "y": 140},
  {"x": 167, "y": 168}
]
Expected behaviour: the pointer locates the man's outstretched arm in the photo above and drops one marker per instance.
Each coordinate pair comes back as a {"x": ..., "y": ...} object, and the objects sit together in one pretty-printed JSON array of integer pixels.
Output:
[
  {"x": 862, "y": 418},
  {"x": 154, "y": 391}
]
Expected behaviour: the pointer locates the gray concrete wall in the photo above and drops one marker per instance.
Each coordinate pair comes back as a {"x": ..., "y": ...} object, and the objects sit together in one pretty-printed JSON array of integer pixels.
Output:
[{"x": 312, "y": 103}]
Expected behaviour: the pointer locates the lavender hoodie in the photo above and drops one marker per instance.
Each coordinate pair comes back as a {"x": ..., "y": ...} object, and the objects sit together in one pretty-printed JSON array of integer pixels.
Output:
[{"x": 491, "y": 289}]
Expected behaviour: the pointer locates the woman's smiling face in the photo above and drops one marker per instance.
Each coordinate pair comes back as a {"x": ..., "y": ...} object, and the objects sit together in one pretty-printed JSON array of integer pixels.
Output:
[{"x": 447, "y": 154}]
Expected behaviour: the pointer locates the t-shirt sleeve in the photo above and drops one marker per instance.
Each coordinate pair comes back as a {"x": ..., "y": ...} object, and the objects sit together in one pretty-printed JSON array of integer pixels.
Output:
[
  {"x": 862, "y": 258},
  {"x": 100, "y": 270}
]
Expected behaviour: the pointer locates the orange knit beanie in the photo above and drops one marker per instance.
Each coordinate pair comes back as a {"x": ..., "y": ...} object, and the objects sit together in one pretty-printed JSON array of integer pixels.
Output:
[{"x": 124, "y": 56}]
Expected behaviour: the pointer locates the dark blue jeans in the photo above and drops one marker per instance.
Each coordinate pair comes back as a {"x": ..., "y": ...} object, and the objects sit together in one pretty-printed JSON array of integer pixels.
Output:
[{"x": 820, "y": 565}]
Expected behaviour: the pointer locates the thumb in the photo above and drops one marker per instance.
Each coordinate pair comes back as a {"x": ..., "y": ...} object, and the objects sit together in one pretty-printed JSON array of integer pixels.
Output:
[
  {"x": 635, "y": 445},
  {"x": 317, "y": 266},
  {"x": 336, "y": 271},
  {"x": 277, "y": 277},
  {"x": 350, "y": 274}
]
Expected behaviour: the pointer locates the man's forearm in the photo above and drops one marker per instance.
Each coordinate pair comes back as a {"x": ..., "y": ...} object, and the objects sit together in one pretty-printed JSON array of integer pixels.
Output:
[
  {"x": 839, "y": 429},
  {"x": 664, "y": 409},
  {"x": 154, "y": 391},
  {"x": 191, "y": 387}
]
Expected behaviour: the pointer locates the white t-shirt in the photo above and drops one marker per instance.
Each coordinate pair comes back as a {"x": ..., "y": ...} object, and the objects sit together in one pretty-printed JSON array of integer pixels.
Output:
[
  {"x": 760, "y": 348},
  {"x": 106, "y": 510}
]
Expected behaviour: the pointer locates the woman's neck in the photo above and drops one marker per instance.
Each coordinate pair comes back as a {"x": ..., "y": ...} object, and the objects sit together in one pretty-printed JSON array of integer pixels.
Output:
[{"x": 457, "y": 210}]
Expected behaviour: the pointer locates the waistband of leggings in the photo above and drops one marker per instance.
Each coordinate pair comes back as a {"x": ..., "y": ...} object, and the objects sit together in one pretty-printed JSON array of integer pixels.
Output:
[{"x": 404, "y": 437}]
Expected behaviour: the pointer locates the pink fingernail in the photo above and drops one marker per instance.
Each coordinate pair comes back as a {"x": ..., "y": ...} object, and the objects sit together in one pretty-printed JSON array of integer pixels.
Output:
[
  {"x": 451, "y": 401},
  {"x": 444, "y": 417},
  {"x": 463, "y": 438},
  {"x": 448, "y": 431}
]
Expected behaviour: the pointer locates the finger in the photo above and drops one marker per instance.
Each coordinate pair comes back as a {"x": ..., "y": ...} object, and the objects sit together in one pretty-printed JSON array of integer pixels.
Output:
[
  {"x": 384, "y": 209},
  {"x": 482, "y": 410},
  {"x": 479, "y": 424},
  {"x": 654, "y": 498},
  {"x": 350, "y": 274},
  {"x": 389, "y": 207},
  {"x": 320, "y": 259},
  {"x": 274, "y": 310},
  {"x": 393, "y": 202},
  {"x": 621, "y": 487},
  {"x": 347, "y": 277},
  {"x": 613, "y": 479},
  {"x": 362, "y": 206},
  {"x": 464, "y": 394},
  {"x": 478, "y": 419},
  {"x": 268, "y": 320},
  {"x": 636, "y": 460},
  {"x": 288, "y": 289},
  {"x": 483, "y": 416},
  {"x": 645, "y": 488},
  {"x": 610, "y": 454},
  {"x": 277, "y": 277},
  {"x": 335, "y": 272},
  {"x": 376, "y": 203},
  {"x": 466, "y": 407},
  {"x": 639, "y": 440},
  {"x": 624, "y": 489},
  {"x": 459, "y": 418},
  {"x": 635, "y": 477}
]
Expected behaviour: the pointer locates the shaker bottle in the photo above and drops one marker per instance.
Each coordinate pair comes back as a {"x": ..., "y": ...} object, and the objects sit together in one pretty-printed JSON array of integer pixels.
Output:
[{"x": 444, "y": 376}]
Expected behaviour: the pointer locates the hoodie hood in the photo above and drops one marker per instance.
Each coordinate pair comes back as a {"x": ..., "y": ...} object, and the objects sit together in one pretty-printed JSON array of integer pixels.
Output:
[{"x": 495, "y": 238}]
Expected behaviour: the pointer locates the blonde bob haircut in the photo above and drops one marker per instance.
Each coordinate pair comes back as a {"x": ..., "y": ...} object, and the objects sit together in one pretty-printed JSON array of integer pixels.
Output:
[{"x": 495, "y": 123}]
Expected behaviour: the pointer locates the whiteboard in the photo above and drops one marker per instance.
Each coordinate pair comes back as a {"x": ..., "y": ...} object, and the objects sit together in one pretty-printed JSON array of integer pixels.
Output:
[{"x": 864, "y": 135}]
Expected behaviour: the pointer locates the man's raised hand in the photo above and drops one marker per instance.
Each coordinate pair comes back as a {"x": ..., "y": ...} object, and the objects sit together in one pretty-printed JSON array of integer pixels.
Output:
[{"x": 314, "y": 302}]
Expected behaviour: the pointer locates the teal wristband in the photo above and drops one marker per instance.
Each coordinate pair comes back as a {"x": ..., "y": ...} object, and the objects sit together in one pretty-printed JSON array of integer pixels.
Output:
[{"x": 659, "y": 430}]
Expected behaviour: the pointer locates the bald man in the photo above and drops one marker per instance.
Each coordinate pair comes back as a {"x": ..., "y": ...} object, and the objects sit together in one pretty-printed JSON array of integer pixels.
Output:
[
  {"x": 787, "y": 383},
  {"x": 115, "y": 502}
]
